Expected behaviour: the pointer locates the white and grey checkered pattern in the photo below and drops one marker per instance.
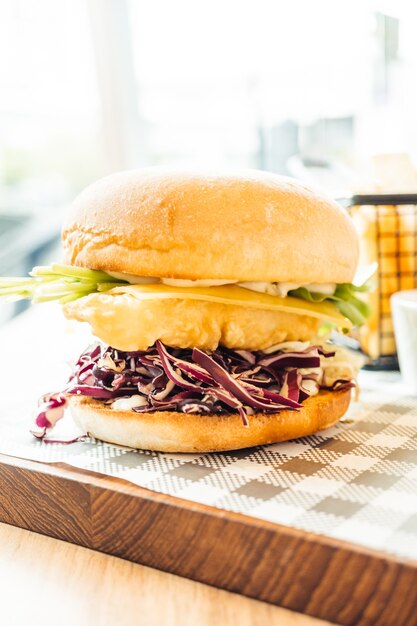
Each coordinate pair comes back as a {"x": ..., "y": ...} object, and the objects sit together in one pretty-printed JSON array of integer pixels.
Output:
[{"x": 356, "y": 481}]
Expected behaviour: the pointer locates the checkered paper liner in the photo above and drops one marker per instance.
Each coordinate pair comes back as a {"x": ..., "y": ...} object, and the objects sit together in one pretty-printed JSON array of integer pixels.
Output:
[{"x": 356, "y": 481}]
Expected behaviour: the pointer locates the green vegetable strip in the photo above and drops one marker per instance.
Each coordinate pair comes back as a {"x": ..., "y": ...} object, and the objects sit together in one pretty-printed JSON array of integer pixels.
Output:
[
  {"x": 65, "y": 283},
  {"x": 80, "y": 273},
  {"x": 356, "y": 310},
  {"x": 57, "y": 282}
]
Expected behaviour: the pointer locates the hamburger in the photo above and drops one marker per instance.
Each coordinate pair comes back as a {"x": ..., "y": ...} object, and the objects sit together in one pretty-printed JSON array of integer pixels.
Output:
[{"x": 210, "y": 295}]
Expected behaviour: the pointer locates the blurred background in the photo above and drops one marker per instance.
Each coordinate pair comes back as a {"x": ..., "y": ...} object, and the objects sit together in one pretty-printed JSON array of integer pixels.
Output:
[{"x": 313, "y": 89}]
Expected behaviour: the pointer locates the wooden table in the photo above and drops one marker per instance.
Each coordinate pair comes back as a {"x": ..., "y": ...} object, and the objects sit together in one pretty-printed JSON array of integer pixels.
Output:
[{"x": 44, "y": 581}]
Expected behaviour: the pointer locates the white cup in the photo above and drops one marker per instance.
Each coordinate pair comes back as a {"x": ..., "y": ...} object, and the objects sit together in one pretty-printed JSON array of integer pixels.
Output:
[{"x": 404, "y": 315}]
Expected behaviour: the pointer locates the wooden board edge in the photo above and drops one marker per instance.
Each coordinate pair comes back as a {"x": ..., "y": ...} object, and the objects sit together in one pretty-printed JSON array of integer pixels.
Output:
[
  {"x": 123, "y": 486},
  {"x": 305, "y": 572}
]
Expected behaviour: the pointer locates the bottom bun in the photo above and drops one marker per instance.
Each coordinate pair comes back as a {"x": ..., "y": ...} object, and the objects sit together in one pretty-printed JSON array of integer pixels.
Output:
[{"x": 168, "y": 431}]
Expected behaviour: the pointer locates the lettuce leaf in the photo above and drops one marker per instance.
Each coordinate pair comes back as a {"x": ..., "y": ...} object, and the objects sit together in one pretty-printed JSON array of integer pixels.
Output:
[
  {"x": 344, "y": 298},
  {"x": 65, "y": 283}
]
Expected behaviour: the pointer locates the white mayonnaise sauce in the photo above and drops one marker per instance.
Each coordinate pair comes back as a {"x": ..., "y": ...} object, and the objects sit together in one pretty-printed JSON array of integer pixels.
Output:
[
  {"x": 126, "y": 404},
  {"x": 273, "y": 289}
]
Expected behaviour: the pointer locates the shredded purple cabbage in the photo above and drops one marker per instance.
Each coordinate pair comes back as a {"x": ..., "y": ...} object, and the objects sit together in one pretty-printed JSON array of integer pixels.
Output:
[{"x": 191, "y": 381}]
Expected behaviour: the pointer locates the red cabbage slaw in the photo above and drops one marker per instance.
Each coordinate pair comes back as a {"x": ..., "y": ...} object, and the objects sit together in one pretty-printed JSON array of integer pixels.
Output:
[{"x": 191, "y": 381}]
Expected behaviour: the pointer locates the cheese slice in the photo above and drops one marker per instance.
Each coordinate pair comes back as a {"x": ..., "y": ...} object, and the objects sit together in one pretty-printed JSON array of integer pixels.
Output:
[{"x": 231, "y": 294}]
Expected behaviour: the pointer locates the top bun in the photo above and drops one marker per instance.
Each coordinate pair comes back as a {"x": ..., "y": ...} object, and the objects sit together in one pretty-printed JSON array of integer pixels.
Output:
[{"x": 242, "y": 226}]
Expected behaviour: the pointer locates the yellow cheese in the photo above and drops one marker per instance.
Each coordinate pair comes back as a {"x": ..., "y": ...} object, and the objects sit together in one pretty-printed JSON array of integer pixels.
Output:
[{"x": 231, "y": 294}]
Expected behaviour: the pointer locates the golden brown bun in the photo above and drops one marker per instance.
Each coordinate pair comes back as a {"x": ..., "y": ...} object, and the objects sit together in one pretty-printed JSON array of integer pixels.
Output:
[
  {"x": 245, "y": 226},
  {"x": 186, "y": 432}
]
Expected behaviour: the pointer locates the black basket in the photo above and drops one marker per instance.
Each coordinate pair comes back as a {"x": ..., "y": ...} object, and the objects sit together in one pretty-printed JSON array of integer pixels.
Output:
[{"x": 396, "y": 257}]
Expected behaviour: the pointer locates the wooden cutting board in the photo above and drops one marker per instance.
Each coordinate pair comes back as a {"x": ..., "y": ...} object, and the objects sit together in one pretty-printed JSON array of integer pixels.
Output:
[
  {"x": 314, "y": 574},
  {"x": 309, "y": 573}
]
